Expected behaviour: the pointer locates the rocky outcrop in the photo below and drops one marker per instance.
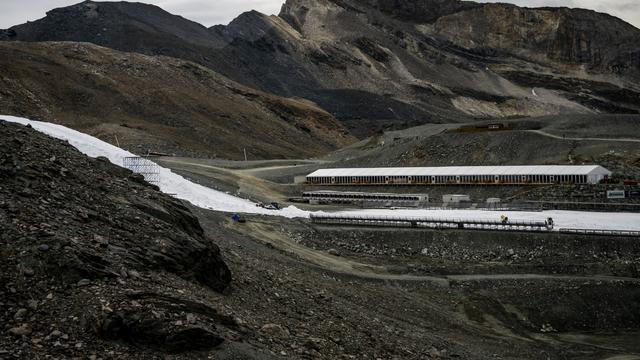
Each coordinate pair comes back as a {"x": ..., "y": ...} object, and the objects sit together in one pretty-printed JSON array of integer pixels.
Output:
[
  {"x": 426, "y": 11},
  {"x": 90, "y": 219},
  {"x": 129, "y": 25},
  {"x": 78, "y": 235},
  {"x": 142, "y": 326},
  {"x": 570, "y": 36}
]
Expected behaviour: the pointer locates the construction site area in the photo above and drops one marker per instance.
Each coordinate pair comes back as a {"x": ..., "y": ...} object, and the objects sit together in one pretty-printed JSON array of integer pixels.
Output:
[
  {"x": 411, "y": 271},
  {"x": 525, "y": 276}
]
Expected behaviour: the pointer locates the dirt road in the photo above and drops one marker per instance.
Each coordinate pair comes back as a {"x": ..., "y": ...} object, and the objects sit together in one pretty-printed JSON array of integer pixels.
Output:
[
  {"x": 268, "y": 233},
  {"x": 544, "y": 133},
  {"x": 246, "y": 182}
]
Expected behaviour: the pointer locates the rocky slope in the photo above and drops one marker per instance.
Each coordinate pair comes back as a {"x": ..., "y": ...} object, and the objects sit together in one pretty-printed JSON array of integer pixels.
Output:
[
  {"x": 378, "y": 63},
  {"x": 158, "y": 103},
  {"x": 88, "y": 249},
  {"x": 541, "y": 141}
]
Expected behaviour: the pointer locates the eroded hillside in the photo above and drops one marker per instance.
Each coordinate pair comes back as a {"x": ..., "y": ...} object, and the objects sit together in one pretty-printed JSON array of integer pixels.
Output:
[{"x": 160, "y": 104}]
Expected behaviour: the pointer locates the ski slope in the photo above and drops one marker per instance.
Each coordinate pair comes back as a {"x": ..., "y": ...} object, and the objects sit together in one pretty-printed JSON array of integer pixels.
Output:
[{"x": 208, "y": 198}]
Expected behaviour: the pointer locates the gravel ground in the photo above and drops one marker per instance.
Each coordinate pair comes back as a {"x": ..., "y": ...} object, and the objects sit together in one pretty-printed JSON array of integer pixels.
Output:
[
  {"x": 415, "y": 318},
  {"x": 98, "y": 264}
]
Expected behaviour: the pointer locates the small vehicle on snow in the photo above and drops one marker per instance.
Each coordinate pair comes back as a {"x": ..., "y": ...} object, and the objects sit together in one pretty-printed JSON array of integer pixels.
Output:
[{"x": 270, "y": 206}]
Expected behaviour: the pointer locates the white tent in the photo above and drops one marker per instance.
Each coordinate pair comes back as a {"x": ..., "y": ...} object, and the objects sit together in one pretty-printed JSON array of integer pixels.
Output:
[{"x": 527, "y": 174}]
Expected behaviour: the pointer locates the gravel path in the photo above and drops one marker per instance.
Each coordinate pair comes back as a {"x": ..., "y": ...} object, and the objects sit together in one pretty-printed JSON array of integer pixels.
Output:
[{"x": 544, "y": 133}]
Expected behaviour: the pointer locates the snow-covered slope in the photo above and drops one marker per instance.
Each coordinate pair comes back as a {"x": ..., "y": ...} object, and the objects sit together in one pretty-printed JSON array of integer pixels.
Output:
[{"x": 208, "y": 198}]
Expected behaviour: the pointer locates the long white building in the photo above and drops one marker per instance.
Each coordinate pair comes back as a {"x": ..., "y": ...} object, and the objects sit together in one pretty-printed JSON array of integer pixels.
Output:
[{"x": 470, "y": 175}]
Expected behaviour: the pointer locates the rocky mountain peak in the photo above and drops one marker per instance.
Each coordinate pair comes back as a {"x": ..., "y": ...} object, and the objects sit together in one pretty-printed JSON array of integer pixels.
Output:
[
  {"x": 388, "y": 63},
  {"x": 105, "y": 23},
  {"x": 87, "y": 9},
  {"x": 250, "y": 25}
]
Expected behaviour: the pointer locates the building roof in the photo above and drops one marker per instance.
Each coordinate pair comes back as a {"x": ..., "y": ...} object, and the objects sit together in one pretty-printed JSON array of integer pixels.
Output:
[
  {"x": 466, "y": 170},
  {"x": 331, "y": 192}
]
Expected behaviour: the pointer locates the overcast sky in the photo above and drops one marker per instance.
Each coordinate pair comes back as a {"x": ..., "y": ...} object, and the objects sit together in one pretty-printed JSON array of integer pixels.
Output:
[{"x": 211, "y": 12}]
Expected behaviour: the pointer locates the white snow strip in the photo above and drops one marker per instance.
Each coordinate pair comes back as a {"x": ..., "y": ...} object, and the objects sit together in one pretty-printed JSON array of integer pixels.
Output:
[
  {"x": 562, "y": 219},
  {"x": 170, "y": 183},
  {"x": 208, "y": 198}
]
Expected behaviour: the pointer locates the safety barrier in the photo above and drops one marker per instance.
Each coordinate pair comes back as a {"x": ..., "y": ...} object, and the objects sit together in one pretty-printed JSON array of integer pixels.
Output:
[
  {"x": 454, "y": 223},
  {"x": 625, "y": 233},
  {"x": 429, "y": 222}
]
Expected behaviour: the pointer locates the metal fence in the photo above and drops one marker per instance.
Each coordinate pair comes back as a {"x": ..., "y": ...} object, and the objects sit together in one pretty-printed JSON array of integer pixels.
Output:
[
  {"x": 144, "y": 167},
  {"x": 502, "y": 206},
  {"x": 624, "y": 233},
  {"x": 585, "y": 206},
  {"x": 456, "y": 223},
  {"x": 429, "y": 222}
]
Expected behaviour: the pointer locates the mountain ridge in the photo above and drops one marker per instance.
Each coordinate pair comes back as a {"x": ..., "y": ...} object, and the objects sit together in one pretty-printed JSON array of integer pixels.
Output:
[{"x": 373, "y": 68}]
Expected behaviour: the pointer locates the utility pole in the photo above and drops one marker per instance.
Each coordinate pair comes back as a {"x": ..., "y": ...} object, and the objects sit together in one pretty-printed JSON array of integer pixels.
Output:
[{"x": 245, "y": 153}]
